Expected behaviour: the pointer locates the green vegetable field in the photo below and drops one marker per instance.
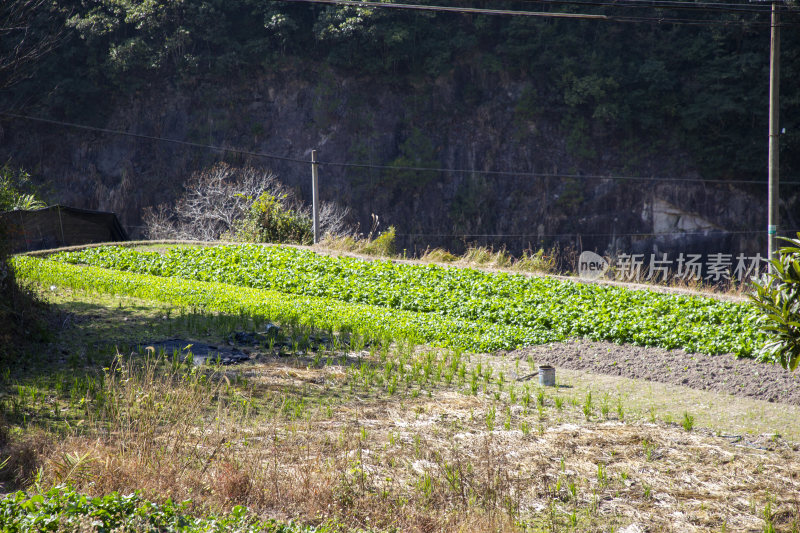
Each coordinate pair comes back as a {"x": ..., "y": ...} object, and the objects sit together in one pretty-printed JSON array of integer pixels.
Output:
[{"x": 455, "y": 307}]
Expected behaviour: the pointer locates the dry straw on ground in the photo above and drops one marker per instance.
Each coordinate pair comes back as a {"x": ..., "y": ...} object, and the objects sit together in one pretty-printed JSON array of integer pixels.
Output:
[{"x": 291, "y": 438}]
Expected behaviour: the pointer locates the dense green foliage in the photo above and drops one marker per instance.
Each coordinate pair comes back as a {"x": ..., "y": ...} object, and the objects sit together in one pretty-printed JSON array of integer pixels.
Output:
[
  {"x": 702, "y": 86},
  {"x": 17, "y": 191},
  {"x": 326, "y": 314},
  {"x": 777, "y": 294},
  {"x": 512, "y": 309},
  {"x": 63, "y": 509},
  {"x": 272, "y": 219}
]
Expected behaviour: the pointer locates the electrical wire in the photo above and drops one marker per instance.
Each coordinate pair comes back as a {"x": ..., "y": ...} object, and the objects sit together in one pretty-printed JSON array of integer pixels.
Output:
[
  {"x": 720, "y": 232},
  {"x": 507, "y": 173},
  {"x": 546, "y": 174},
  {"x": 152, "y": 138},
  {"x": 659, "y": 4},
  {"x": 463, "y": 10},
  {"x": 545, "y": 14}
]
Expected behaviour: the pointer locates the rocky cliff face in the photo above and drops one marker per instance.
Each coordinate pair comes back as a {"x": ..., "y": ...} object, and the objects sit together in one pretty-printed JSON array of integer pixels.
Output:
[{"x": 472, "y": 121}]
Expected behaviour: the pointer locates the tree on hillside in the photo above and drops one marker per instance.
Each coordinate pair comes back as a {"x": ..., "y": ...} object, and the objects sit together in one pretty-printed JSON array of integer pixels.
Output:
[{"x": 224, "y": 202}]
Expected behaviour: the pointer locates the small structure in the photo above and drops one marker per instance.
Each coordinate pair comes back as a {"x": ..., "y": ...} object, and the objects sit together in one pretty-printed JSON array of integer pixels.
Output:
[{"x": 60, "y": 225}]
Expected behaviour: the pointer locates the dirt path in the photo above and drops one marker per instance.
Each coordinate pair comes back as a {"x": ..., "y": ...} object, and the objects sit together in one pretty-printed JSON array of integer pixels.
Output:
[{"x": 721, "y": 373}]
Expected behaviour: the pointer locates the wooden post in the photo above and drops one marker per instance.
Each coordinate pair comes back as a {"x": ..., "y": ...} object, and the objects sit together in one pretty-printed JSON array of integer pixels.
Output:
[
  {"x": 315, "y": 195},
  {"x": 774, "y": 113},
  {"x": 61, "y": 225}
]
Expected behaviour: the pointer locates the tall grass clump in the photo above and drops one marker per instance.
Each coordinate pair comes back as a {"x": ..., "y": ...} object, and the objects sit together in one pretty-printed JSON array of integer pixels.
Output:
[{"x": 374, "y": 243}]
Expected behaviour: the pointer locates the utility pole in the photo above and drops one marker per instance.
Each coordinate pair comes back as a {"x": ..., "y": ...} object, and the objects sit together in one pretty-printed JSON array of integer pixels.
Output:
[
  {"x": 315, "y": 195},
  {"x": 774, "y": 112}
]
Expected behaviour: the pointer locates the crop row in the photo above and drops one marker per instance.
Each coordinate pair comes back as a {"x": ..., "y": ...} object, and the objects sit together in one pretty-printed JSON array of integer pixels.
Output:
[
  {"x": 368, "y": 321},
  {"x": 553, "y": 308}
]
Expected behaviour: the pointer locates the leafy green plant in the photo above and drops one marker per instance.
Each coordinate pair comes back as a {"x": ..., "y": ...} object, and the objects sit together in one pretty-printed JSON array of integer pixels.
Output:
[
  {"x": 649, "y": 449},
  {"x": 769, "y": 517},
  {"x": 777, "y": 296},
  {"x": 527, "y": 310},
  {"x": 369, "y": 322},
  {"x": 63, "y": 509},
  {"x": 559, "y": 401},
  {"x": 604, "y": 407}
]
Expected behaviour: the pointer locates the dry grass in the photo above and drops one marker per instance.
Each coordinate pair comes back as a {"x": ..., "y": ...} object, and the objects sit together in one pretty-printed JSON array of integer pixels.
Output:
[
  {"x": 291, "y": 437},
  {"x": 488, "y": 258},
  {"x": 437, "y": 255}
]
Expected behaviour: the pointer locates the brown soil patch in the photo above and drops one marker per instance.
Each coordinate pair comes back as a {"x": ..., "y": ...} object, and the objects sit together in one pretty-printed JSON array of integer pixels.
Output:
[{"x": 721, "y": 373}]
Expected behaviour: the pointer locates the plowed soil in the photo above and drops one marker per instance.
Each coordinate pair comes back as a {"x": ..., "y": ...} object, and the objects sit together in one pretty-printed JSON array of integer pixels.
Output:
[{"x": 720, "y": 373}]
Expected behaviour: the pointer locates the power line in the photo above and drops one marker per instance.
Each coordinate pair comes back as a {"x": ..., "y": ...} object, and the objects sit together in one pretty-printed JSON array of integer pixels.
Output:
[
  {"x": 660, "y": 4},
  {"x": 152, "y": 138},
  {"x": 546, "y": 174},
  {"x": 687, "y": 3},
  {"x": 507, "y": 173},
  {"x": 546, "y": 14},
  {"x": 720, "y": 232},
  {"x": 472, "y": 10}
]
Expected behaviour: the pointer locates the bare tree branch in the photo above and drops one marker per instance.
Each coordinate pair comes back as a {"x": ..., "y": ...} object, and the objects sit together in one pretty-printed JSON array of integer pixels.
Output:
[
  {"x": 22, "y": 44},
  {"x": 218, "y": 199}
]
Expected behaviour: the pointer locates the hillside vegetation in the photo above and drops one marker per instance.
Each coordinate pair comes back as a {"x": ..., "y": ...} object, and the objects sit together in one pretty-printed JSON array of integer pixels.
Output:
[{"x": 702, "y": 86}]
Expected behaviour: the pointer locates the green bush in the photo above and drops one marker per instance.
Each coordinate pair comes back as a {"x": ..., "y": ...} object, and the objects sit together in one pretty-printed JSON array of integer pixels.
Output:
[
  {"x": 382, "y": 245},
  {"x": 777, "y": 295},
  {"x": 273, "y": 219}
]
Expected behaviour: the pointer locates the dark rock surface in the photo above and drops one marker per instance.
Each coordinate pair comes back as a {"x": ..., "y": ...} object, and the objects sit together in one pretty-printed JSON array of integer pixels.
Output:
[{"x": 367, "y": 120}]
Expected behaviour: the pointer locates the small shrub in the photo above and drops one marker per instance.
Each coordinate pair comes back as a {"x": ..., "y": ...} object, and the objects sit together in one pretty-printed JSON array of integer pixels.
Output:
[
  {"x": 22, "y": 456},
  {"x": 383, "y": 245},
  {"x": 233, "y": 483},
  {"x": 272, "y": 219},
  {"x": 483, "y": 256}
]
